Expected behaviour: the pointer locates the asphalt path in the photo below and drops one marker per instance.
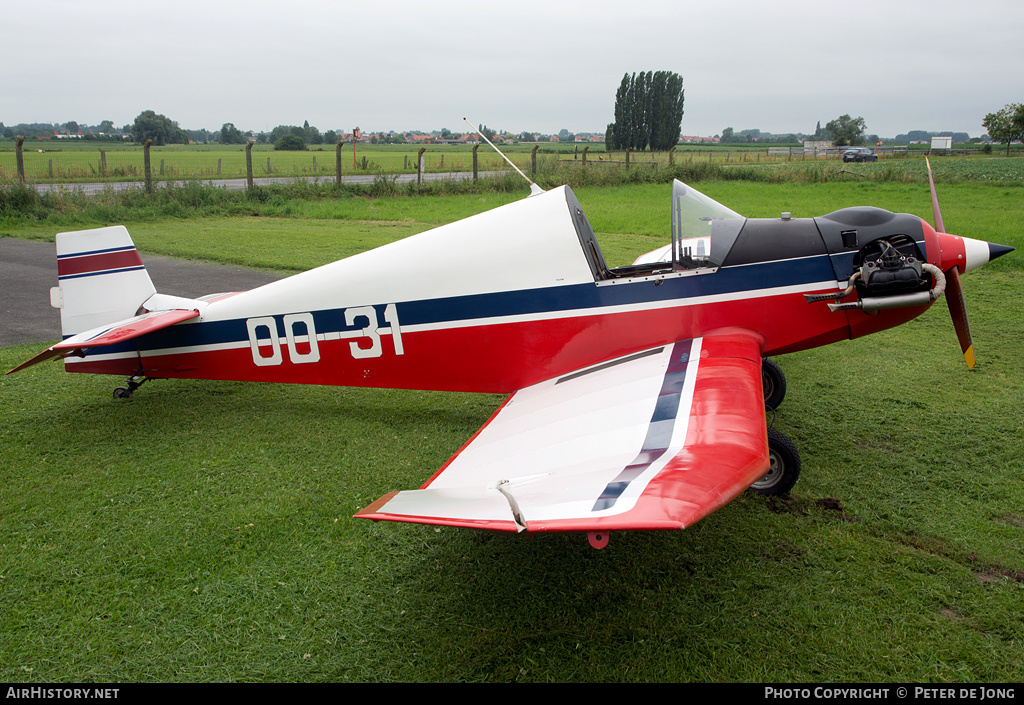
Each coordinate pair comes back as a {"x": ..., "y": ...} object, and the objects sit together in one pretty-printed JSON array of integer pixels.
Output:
[{"x": 29, "y": 269}]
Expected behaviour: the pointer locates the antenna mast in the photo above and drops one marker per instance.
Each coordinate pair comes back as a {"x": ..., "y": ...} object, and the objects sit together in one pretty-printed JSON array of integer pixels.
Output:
[{"x": 534, "y": 188}]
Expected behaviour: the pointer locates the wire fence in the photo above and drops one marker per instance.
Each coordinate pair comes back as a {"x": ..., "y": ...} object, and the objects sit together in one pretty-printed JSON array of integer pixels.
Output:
[
  {"x": 42, "y": 165},
  {"x": 47, "y": 163}
]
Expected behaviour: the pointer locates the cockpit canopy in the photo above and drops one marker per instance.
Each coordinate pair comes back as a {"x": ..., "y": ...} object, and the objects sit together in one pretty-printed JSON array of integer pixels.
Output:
[
  {"x": 707, "y": 235},
  {"x": 703, "y": 232}
]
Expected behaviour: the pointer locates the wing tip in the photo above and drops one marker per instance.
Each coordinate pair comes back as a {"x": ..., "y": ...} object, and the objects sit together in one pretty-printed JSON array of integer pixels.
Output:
[{"x": 372, "y": 510}]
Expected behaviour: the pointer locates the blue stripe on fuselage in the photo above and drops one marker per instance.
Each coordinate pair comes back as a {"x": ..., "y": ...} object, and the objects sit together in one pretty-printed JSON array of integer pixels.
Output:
[{"x": 727, "y": 280}]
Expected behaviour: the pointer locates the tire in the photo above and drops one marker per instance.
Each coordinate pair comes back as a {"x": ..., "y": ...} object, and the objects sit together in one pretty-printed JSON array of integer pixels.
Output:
[
  {"x": 784, "y": 467},
  {"x": 773, "y": 383}
]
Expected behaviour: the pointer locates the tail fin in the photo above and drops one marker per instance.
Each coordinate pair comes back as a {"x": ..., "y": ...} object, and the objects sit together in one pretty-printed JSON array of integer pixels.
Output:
[
  {"x": 105, "y": 298},
  {"x": 102, "y": 279}
]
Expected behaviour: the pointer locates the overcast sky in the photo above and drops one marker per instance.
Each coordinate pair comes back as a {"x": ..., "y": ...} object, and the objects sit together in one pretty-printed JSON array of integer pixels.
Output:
[{"x": 778, "y": 66}]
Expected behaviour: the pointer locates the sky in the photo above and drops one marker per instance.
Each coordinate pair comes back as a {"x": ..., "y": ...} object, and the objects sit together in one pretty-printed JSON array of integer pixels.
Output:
[{"x": 777, "y": 66}]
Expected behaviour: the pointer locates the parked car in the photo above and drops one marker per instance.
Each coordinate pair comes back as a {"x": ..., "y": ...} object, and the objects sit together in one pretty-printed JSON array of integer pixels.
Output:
[{"x": 859, "y": 154}]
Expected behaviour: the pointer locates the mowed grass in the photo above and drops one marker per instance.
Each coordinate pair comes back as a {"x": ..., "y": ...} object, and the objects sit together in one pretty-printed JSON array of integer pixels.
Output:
[
  {"x": 296, "y": 234},
  {"x": 202, "y": 531}
]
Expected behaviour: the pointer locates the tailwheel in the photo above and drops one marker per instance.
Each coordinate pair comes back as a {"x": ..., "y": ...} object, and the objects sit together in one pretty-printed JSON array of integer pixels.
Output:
[
  {"x": 773, "y": 382},
  {"x": 783, "y": 466},
  {"x": 133, "y": 382}
]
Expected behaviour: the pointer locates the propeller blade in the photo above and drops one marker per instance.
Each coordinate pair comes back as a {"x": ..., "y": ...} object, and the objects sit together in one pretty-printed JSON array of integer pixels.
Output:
[
  {"x": 936, "y": 212},
  {"x": 954, "y": 287},
  {"x": 958, "y": 312}
]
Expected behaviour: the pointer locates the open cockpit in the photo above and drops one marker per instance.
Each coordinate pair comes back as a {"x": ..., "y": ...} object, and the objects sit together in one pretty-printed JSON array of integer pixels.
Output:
[{"x": 703, "y": 233}]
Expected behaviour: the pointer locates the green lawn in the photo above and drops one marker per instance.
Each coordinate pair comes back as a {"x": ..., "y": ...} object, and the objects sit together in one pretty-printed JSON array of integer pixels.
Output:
[{"x": 202, "y": 531}]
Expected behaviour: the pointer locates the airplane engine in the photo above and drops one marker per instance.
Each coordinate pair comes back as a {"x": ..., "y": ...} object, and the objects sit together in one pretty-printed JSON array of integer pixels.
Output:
[
  {"x": 890, "y": 266},
  {"x": 890, "y": 273}
]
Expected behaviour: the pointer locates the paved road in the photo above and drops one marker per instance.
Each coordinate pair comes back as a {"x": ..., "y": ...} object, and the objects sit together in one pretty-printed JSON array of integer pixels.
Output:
[{"x": 29, "y": 269}]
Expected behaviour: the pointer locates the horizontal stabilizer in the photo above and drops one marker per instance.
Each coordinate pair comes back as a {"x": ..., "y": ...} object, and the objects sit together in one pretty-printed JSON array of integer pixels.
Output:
[{"x": 110, "y": 334}]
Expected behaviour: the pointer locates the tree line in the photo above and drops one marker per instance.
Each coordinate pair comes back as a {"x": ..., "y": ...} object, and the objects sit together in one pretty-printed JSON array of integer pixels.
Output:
[{"x": 648, "y": 115}]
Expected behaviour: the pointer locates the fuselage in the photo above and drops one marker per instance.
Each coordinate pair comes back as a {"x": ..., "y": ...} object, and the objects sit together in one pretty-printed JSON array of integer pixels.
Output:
[{"x": 518, "y": 295}]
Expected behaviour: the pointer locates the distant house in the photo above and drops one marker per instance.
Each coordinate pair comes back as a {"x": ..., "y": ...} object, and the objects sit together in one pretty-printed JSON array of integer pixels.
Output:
[{"x": 817, "y": 146}]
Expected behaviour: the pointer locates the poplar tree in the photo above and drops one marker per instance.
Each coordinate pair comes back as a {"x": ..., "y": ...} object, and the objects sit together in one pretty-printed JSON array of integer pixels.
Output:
[{"x": 648, "y": 111}]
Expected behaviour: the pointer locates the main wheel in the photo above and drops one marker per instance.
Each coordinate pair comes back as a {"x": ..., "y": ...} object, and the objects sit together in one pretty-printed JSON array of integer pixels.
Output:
[
  {"x": 773, "y": 382},
  {"x": 122, "y": 393},
  {"x": 783, "y": 466}
]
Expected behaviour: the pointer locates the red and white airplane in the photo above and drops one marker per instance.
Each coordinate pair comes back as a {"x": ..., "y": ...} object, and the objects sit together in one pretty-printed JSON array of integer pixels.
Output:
[{"x": 637, "y": 394}]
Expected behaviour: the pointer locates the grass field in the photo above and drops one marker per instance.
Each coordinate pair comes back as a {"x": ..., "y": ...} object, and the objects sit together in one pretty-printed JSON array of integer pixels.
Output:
[
  {"x": 70, "y": 162},
  {"x": 202, "y": 531}
]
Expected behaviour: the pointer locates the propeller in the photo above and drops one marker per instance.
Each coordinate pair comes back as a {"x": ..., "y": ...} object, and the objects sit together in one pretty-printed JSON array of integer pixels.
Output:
[{"x": 954, "y": 288}]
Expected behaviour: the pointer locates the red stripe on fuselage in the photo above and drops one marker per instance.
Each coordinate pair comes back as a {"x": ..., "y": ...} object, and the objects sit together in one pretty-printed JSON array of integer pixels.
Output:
[{"x": 506, "y": 357}]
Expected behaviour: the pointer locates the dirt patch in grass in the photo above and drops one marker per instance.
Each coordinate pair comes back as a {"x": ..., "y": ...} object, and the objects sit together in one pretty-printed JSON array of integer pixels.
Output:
[{"x": 801, "y": 506}]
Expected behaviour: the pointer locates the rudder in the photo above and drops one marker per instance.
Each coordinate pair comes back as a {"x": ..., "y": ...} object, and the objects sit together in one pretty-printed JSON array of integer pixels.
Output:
[{"x": 101, "y": 279}]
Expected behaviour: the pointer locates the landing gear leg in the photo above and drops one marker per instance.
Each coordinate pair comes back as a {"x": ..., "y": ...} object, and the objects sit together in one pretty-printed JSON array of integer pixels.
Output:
[{"x": 133, "y": 382}]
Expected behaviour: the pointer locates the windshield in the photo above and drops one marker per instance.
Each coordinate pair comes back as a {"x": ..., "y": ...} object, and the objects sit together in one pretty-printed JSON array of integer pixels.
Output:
[
  {"x": 703, "y": 232},
  {"x": 696, "y": 240}
]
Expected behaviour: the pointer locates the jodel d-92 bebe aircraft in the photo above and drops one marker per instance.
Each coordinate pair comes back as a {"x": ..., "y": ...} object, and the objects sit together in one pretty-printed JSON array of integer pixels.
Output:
[{"x": 637, "y": 394}]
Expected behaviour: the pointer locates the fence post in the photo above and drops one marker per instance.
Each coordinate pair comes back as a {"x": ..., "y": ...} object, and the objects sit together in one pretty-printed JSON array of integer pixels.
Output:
[
  {"x": 21, "y": 159},
  {"x": 161, "y": 167},
  {"x": 49, "y": 169},
  {"x": 103, "y": 163},
  {"x": 585, "y": 154},
  {"x": 475, "y": 171},
  {"x": 337, "y": 162},
  {"x": 629, "y": 151},
  {"x": 533, "y": 161},
  {"x": 672, "y": 156},
  {"x": 268, "y": 165},
  {"x": 248, "y": 165},
  {"x": 147, "y": 167},
  {"x": 218, "y": 167},
  {"x": 420, "y": 164}
]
